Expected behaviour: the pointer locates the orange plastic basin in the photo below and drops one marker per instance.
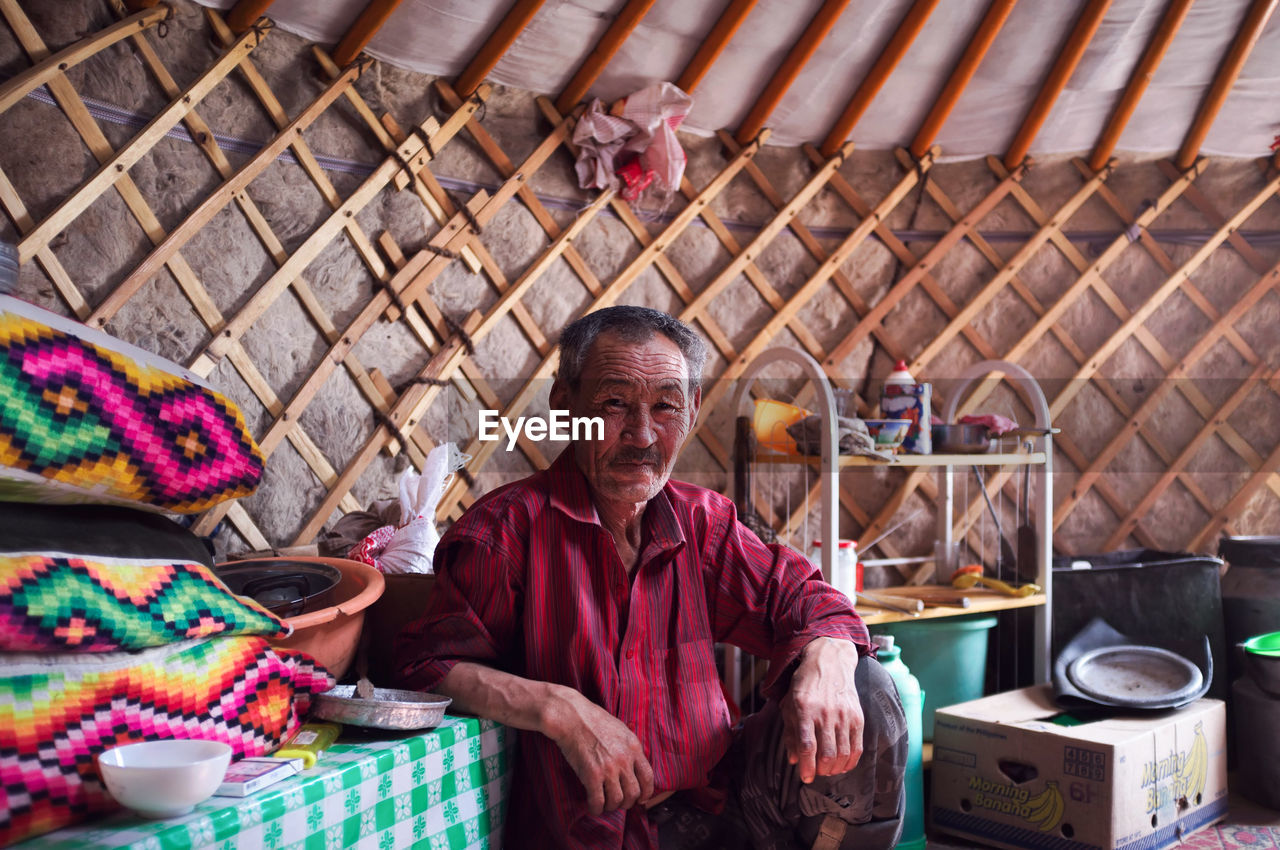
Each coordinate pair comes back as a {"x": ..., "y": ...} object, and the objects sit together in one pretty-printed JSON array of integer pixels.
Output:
[{"x": 331, "y": 635}]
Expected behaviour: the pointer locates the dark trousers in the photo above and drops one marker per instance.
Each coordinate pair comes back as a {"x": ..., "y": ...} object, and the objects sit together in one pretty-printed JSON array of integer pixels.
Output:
[{"x": 769, "y": 808}]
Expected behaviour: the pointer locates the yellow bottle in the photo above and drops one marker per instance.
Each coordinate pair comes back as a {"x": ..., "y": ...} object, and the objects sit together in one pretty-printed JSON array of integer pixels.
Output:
[{"x": 308, "y": 742}]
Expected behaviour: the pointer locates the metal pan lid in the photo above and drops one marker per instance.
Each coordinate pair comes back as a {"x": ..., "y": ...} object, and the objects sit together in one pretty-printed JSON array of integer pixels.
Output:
[{"x": 1136, "y": 676}]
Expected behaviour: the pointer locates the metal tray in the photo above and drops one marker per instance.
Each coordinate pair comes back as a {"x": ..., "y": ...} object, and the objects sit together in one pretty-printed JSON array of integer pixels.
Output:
[
  {"x": 1136, "y": 676},
  {"x": 389, "y": 708}
]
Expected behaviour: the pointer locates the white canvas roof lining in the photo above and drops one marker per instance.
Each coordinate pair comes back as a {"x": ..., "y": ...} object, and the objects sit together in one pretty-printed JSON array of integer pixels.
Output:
[{"x": 440, "y": 37}]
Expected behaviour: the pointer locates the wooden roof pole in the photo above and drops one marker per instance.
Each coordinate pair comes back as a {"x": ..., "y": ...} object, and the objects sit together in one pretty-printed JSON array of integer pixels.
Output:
[
  {"x": 498, "y": 43},
  {"x": 1257, "y": 17},
  {"x": 1063, "y": 66},
  {"x": 730, "y": 19},
  {"x": 627, "y": 20},
  {"x": 790, "y": 68},
  {"x": 979, "y": 44},
  {"x": 735, "y": 13},
  {"x": 365, "y": 26},
  {"x": 888, "y": 59},
  {"x": 244, "y": 13},
  {"x": 1169, "y": 25}
]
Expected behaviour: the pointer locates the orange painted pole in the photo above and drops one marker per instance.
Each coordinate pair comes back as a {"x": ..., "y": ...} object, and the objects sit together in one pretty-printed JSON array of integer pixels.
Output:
[
  {"x": 888, "y": 59},
  {"x": 1257, "y": 17},
  {"x": 362, "y": 29},
  {"x": 730, "y": 19},
  {"x": 1138, "y": 82},
  {"x": 1063, "y": 66},
  {"x": 499, "y": 43},
  {"x": 790, "y": 68},
  {"x": 613, "y": 37},
  {"x": 244, "y": 13},
  {"x": 979, "y": 44}
]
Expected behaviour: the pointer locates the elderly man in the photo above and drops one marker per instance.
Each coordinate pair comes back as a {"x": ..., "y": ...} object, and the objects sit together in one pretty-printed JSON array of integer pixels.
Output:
[{"x": 583, "y": 605}]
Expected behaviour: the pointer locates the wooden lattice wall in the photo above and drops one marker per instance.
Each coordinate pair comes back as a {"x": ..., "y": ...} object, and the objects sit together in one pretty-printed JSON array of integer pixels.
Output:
[{"x": 1068, "y": 330}]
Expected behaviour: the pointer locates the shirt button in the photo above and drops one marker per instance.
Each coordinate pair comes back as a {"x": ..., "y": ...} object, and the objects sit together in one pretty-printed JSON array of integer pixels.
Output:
[{"x": 631, "y": 653}]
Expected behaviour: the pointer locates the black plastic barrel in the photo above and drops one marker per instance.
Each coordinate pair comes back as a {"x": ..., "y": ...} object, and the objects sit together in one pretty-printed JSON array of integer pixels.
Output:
[
  {"x": 1256, "y": 716},
  {"x": 1166, "y": 599},
  {"x": 1250, "y": 591}
]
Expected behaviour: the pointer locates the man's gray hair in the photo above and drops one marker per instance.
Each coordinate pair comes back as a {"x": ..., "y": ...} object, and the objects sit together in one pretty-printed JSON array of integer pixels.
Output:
[{"x": 632, "y": 324}]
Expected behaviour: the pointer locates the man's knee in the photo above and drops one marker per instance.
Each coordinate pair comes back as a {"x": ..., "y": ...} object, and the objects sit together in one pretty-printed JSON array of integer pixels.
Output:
[
  {"x": 869, "y": 799},
  {"x": 778, "y": 806},
  {"x": 882, "y": 713}
]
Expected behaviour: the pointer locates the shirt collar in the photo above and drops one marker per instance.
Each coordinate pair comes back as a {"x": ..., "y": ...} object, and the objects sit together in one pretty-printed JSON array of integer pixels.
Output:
[
  {"x": 568, "y": 489},
  {"x": 570, "y": 494}
]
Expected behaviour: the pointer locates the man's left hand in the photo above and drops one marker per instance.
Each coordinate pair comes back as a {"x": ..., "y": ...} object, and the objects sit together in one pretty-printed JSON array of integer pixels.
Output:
[{"x": 821, "y": 716}]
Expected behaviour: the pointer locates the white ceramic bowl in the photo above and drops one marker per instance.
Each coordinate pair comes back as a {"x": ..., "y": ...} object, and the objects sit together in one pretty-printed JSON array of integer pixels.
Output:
[
  {"x": 164, "y": 779},
  {"x": 888, "y": 433}
]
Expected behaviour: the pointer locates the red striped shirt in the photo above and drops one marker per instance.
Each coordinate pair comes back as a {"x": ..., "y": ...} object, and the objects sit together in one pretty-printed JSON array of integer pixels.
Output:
[{"x": 528, "y": 581}]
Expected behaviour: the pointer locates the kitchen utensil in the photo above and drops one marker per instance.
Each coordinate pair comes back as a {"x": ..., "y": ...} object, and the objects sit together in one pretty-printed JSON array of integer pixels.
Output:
[
  {"x": 332, "y": 634},
  {"x": 364, "y": 687},
  {"x": 971, "y": 575},
  {"x": 744, "y": 454},
  {"x": 164, "y": 779},
  {"x": 961, "y": 439},
  {"x": 957, "y": 602},
  {"x": 770, "y": 423},
  {"x": 284, "y": 587},
  {"x": 902, "y": 606},
  {"x": 1025, "y": 565},
  {"x": 388, "y": 709},
  {"x": 1135, "y": 676},
  {"x": 932, "y": 597},
  {"x": 1007, "y": 555},
  {"x": 887, "y": 434}
]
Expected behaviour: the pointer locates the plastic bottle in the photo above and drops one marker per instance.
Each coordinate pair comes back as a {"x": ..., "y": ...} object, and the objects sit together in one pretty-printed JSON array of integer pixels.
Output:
[
  {"x": 890, "y": 656},
  {"x": 905, "y": 398},
  {"x": 900, "y": 376},
  {"x": 846, "y": 572}
]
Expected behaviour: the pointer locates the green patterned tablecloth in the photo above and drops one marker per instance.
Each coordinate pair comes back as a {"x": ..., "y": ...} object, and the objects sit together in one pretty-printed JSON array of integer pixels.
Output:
[{"x": 445, "y": 788}]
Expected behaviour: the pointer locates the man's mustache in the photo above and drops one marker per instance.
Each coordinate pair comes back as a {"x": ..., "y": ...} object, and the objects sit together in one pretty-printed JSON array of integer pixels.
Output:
[{"x": 634, "y": 455}]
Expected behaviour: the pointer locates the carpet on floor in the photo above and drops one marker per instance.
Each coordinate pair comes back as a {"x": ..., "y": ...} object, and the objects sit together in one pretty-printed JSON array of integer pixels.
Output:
[{"x": 1229, "y": 837}]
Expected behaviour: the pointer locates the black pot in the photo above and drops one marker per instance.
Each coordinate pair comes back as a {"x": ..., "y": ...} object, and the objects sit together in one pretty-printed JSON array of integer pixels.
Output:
[{"x": 284, "y": 587}]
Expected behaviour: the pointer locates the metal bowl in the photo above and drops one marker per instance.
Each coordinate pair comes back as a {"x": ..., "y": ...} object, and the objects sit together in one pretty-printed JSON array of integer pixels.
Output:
[
  {"x": 962, "y": 439},
  {"x": 388, "y": 709}
]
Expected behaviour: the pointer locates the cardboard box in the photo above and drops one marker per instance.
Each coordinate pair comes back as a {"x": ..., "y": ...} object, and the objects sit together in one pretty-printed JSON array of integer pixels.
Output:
[
  {"x": 1005, "y": 774},
  {"x": 250, "y": 775}
]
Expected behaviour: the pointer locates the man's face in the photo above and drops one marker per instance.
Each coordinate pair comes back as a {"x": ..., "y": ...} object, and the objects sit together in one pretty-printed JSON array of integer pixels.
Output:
[{"x": 640, "y": 391}]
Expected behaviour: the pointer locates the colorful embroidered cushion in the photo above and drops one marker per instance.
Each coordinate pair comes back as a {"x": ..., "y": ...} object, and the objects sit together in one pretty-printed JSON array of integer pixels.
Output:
[
  {"x": 57, "y": 602},
  {"x": 90, "y": 418},
  {"x": 57, "y": 712}
]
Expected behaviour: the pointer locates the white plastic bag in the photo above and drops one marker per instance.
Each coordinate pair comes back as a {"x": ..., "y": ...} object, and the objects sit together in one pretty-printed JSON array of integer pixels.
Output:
[
  {"x": 646, "y": 129},
  {"x": 658, "y": 110},
  {"x": 410, "y": 546}
]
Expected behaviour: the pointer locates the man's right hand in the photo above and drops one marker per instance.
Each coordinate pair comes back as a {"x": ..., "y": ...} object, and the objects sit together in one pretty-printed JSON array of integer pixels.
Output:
[{"x": 603, "y": 751}]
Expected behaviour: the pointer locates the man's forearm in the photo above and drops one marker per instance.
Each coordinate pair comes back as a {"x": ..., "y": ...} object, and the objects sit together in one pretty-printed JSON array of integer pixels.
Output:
[{"x": 507, "y": 698}]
